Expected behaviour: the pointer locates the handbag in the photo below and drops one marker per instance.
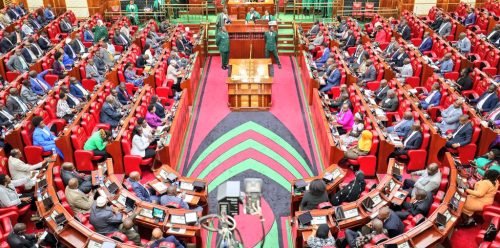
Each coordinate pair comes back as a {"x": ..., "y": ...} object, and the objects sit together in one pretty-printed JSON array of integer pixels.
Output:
[{"x": 490, "y": 233}]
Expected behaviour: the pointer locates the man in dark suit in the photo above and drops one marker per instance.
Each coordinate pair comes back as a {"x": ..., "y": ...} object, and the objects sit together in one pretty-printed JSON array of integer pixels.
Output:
[
  {"x": 15, "y": 104},
  {"x": 6, "y": 118},
  {"x": 122, "y": 94},
  {"x": 6, "y": 43},
  {"x": 109, "y": 114},
  {"x": 438, "y": 20},
  {"x": 405, "y": 30},
  {"x": 160, "y": 109},
  {"x": 44, "y": 41},
  {"x": 143, "y": 193},
  {"x": 381, "y": 92},
  {"x": 392, "y": 223},
  {"x": 120, "y": 39},
  {"x": 35, "y": 48},
  {"x": 487, "y": 100},
  {"x": 399, "y": 57},
  {"x": 390, "y": 103},
  {"x": 19, "y": 239},
  {"x": 370, "y": 73},
  {"x": 68, "y": 171},
  {"x": 34, "y": 23},
  {"x": 494, "y": 35},
  {"x": 17, "y": 62},
  {"x": 350, "y": 41},
  {"x": 11, "y": 11},
  {"x": 412, "y": 141},
  {"x": 69, "y": 50},
  {"x": 420, "y": 205},
  {"x": 65, "y": 25},
  {"x": 426, "y": 44},
  {"x": 77, "y": 44},
  {"x": 462, "y": 135},
  {"x": 181, "y": 46},
  {"x": 99, "y": 62},
  {"x": 28, "y": 54},
  {"x": 141, "y": 61}
]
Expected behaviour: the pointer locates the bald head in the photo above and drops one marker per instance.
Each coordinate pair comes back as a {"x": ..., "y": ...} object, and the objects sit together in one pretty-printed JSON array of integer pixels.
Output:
[
  {"x": 134, "y": 175},
  {"x": 19, "y": 228},
  {"x": 420, "y": 194},
  {"x": 128, "y": 223},
  {"x": 68, "y": 166},
  {"x": 378, "y": 226},
  {"x": 384, "y": 213},
  {"x": 73, "y": 183},
  {"x": 408, "y": 115},
  {"x": 432, "y": 168},
  {"x": 157, "y": 234},
  {"x": 172, "y": 190}
]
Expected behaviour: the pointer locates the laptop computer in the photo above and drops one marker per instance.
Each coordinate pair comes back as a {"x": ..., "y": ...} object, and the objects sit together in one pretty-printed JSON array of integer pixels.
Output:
[
  {"x": 305, "y": 219},
  {"x": 441, "y": 220},
  {"x": 129, "y": 204},
  {"x": 42, "y": 183},
  {"x": 300, "y": 186},
  {"x": 47, "y": 203},
  {"x": 368, "y": 203},
  {"x": 112, "y": 188},
  {"x": 60, "y": 219},
  {"x": 455, "y": 202},
  {"x": 339, "y": 213}
]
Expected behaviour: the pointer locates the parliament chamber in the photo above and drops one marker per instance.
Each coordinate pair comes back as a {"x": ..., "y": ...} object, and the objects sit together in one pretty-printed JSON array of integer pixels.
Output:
[{"x": 249, "y": 123}]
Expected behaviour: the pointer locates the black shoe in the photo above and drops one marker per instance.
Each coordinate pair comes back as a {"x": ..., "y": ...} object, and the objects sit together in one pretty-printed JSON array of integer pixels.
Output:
[{"x": 279, "y": 66}]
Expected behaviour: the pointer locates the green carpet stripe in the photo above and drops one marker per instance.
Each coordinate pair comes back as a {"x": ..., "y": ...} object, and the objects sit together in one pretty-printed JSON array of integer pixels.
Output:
[
  {"x": 241, "y": 129},
  {"x": 272, "y": 235},
  {"x": 249, "y": 164},
  {"x": 248, "y": 144},
  {"x": 289, "y": 233}
]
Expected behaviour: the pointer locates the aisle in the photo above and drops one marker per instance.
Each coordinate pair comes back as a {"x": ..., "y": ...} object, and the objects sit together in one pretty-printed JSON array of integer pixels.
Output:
[{"x": 276, "y": 146}]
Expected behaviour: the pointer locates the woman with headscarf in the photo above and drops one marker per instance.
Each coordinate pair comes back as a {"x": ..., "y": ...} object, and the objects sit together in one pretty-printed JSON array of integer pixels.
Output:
[
  {"x": 482, "y": 195},
  {"x": 351, "y": 191},
  {"x": 487, "y": 162},
  {"x": 314, "y": 196},
  {"x": 363, "y": 148},
  {"x": 345, "y": 119},
  {"x": 358, "y": 127},
  {"x": 320, "y": 237}
]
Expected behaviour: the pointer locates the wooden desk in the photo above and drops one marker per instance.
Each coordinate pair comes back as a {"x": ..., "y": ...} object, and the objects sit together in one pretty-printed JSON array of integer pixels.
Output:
[
  {"x": 304, "y": 232},
  {"x": 249, "y": 85},
  {"x": 306, "y": 75},
  {"x": 241, "y": 8},
  {"x": 244, "y": 36}
]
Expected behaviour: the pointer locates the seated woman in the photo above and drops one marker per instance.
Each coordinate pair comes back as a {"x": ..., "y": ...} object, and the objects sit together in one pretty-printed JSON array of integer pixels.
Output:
[
  {"x": 153, "y": 120},
  {"x": 43, "y": 137},
  {"x": 351, "y": 191},
  {"x": 147, "y": 131},
  {"x": 363, "y": 147},
  {"x": 320, "y": 237},
  {"x": 314, "y": 196},
  {"x": 487, "y": 162},
  {"x": 63, "y": 109},
  {"x": 97, "y": 143},
  {"x": 482, "y": 195},
  {"x": 345, "y": 118},
  {"x": 131, "y": 77},
  {"x": 147, "y": 51},
  {"x": 140, "y": 144},
  {"x": 358, "y": 127}
]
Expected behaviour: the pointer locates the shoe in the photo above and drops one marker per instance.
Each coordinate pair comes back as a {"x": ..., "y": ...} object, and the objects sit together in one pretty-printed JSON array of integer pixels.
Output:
[{"x": 279, "y": 66}]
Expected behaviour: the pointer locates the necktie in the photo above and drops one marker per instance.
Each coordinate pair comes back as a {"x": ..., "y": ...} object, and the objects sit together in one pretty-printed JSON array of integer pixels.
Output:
[
  {"x": 38, "y": 50},
  {"x": 42, "y": 85},
  {"x": 21, "y": 104}
]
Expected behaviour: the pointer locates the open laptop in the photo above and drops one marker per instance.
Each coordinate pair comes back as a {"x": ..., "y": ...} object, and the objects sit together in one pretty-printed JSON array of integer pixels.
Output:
[
  {"x": 113, "y": 188},
  {"x": 441, "y": 220},
  {"x": 368, "y": 203},
  {"x": 455, "y": 201},
  {"x": 47, "y": 203},
  {"x": 129, "y": 204}
]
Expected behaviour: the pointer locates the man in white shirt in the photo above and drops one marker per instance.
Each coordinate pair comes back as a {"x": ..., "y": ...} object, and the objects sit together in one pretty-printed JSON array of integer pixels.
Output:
[
  {"x": 9, "y": 196},
  {"x": 405, "y": 71},
  {"x": 21, "y": 170},
  {"x": 428, "y": 180},
  {"x": 463, "y": 44}
]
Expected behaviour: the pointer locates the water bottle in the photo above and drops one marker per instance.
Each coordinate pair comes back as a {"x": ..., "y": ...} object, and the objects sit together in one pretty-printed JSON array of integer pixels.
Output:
[
  {"x": 39, "y": 194},
  {"x": 54, "y": 151}
]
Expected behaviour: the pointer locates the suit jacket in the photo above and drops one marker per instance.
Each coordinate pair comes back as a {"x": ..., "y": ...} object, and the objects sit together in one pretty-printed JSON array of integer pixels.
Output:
[
  {"x": 140, "y": 62},
  {"x": 35, "y": 24},
  {"x": 402, "y": 128},
  {"x": 350, "y": 42},
  {"x": 4, "y": 120},
  {"x": 489, "y": 103},
  {"x": 314, "y": 30},
  {"x": 44, "y": 138},
  {"x": 494, "y": 36},
  {"x": 58, "y": 69},
  {"x": 406, "y": 32},
  {"x": 450, "y": 118},
  {"x": 421, "y": 207},
  {"x": 6, "y": 45},
  {"x": 110, "y": 115},
  {"x": 463, "y": 45},
  {"x": 426, "y": 45},
  {"x": 78, "y": 46},
  {"x": 436, "y": 98},
  {"x": 104, "y": 220},
  {"x": 334, "y": 78},
  {"x": 15, "y": 64},
  {"x": 13, "y": 14},
  {"x": 160, "y": 110},
  {"x": 120, "y": 40},
  {"x": 88, "y": 36},
  {"x": 436, "y": 24},
  {"x": 370, "y": 74},
  {"x": 446, "y": 66},
  {"x": 29, "y": 96},
  {"x": 92, "y": 72},
  {"x": 393, "y": 225},
  {"x": 470, "y": 19},
  {"x": 123, "y": 96},
  {"x": 77, "y": 92},
  {"x": 70, "y": 51},
  {"x": 44, "y": 42},
  {"x": 462, "y": 135},
  {"x": 27, "y": 55},
  {"x": 14, "y": 107},
  {"x": 380, "y": 93},
  {"x": 78, "y": 201},
  {"x": 37, "y": 50},
  {"x": 84, "y": 184},
  {"x": 65, "y": 26},
  {"x": 35, "y": 83},
  {"x": 140, "y": 191},
  {"x": 100, "y": 64},
  {"x": 180, "y": 46},
  {"x": 412, "y": 142},
  {"x": 24, "y": 241},
  {"x": 444, "y": 29},
  {"x": 389, "y": 105},
  {"x": 398, "y": 58}
]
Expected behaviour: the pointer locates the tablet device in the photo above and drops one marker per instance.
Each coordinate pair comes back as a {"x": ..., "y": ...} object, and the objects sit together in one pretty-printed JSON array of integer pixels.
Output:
[
  {"x": 158, "y": 214},
  {"x": 305, "y": 219}
]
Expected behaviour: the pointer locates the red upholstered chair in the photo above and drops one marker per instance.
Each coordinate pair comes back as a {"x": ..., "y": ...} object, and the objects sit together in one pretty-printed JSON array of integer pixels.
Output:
[
  {"x": 83, "y": 159},
  {"x": 466, "y": 153},
  {"x": 369, "y": 13},
  {"x": 480, "y": 236},
  {"x": 356, "y": 10},
  {"x": 57, "y": 178},
  {"x": 33, "y": 154},
  {"x": 416, "y": 158},
  {"x": 132, "y": 162},
  {"x": 11, "y": 75},
  {"x": 118, "y": 236},
  {"x": 368, "y": 163}
]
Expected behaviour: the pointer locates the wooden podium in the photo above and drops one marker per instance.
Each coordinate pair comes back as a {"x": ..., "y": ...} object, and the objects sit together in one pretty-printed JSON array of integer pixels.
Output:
[{"x": 249, "y": 85}]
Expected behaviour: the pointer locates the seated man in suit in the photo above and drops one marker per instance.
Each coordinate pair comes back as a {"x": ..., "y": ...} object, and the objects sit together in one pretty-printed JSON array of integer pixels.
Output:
[
  {"x": 470, "y": 19},
  {"x": 172, "y": 198},
  {"x": 392, "y": 223},
  {"x": 252, "y": 15},
  {"x": 402, "y": 128},
  {"x": 426, "y": 44},
  {"x": 120, "y": 39},
  {"x": 405, "y": 30},
  {"x": 324, "y": 57},
  {"x": 494, "y": 35},
  {"x": 432, "y": 98},
  {"x": 109, "y": 114},
  {"x": 99, "y": 62},
  {"x": 428, "y": 180},
  {"x": 6, "y": 118},
  {"x": 122, "y": 94},
  {"x": 397, "y": 59},
  {"x": 487, "y": 100},
  {"x": 19, "y": 238},
  {"x": 159, "y": 108},
  {"x": 27, "y": 29},
  {"x": 35, "y": 24},
  {"x": 15, "y": 104},
  {"x": 381, "y": 92},
  {"x": 145, "y": 194},
  {"x": 438, "y": 20},
  {"x": 18, "y": 169},
  {"x": 331, "y": 79},
  {"x": 105, "y": 219},
  {"x": 445, "y": 28},
  {"x": 78, "y": 45},
  {"x": 88, "y": 35},
  {"x": 450, "y": 116},
  {"x": 92, "y": 72},
  {"x": 38, "y": 84},
  {"x": 17, "y": 62},
  {"x": 368, "y": 232},
  {"x": 412, "y": 141},
  {"x": 391, "y": 48},
  {"x": 65, "y": 26},
  {"x": 69, "y": 50},
  {"x": 350, "y": 41},
  {"x": 463, "y": 44},
  {"x": 77, "y": 200},
  {"x": 76, "y": 89},
  {"x": 314, "y": 29},
  {"x": 68, "y": 172},
  {"x": 404, "y": 71},
  {"x": 6, "y": 44},
  {"x": 44, "y": 41},
  {"x": 421, "y": 204},
  {"x": 141, "y": 61},
  {"x": 28, "y": 95},
  {"x": 157, "y": 238},
  {"x": 47, "y": 12},
  {"x": 390, "y": 103},
  {"x": 35, "y": 48},
  {"x": 445, "y": 65},
  {"x": 370, "y": 73},
  {"x": 462, "y": 135}
]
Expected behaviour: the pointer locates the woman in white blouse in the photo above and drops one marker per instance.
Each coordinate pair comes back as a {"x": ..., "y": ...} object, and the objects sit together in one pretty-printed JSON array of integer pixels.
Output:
[
  {"x": 140, "y": 144},
  {"x": 147, "y": 51},
  {"x": 63, "y": 109}
]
